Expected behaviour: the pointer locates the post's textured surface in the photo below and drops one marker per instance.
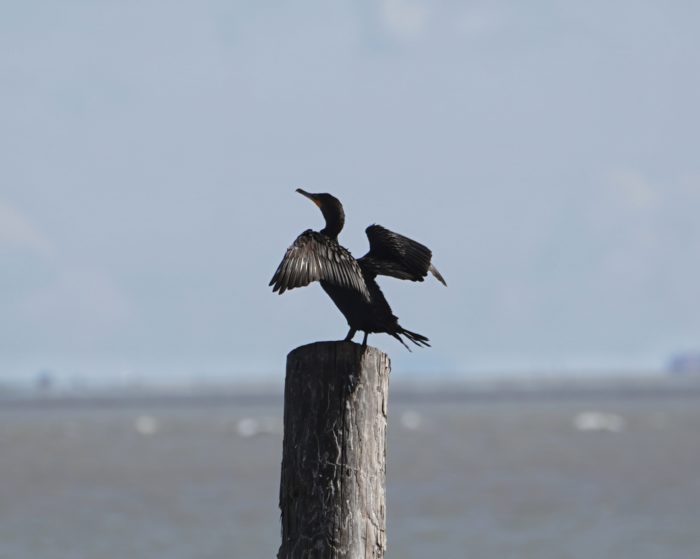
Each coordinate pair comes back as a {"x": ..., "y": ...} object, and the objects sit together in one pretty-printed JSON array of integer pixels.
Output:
[{"x": 332, "y": 490}]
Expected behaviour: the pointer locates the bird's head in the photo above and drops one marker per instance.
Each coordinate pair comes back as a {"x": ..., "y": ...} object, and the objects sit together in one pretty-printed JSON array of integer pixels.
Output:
[{"x": 331, "y": 208}]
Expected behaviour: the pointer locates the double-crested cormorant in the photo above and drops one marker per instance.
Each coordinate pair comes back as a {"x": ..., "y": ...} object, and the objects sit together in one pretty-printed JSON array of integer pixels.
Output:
[{"x": 317, "y": 256}]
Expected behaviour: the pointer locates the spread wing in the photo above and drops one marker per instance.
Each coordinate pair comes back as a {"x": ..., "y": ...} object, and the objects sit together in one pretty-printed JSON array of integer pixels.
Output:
[
  {"x": 391, "y": 254},
  {"x": 315, "y": 257}
]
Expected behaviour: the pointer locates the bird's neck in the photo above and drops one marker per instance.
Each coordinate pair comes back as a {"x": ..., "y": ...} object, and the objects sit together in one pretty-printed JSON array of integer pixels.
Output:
[{"x": 334, "y": 224}]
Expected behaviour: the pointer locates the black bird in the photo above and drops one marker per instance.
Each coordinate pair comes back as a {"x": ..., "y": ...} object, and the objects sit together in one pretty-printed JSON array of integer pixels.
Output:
[{"x": 317, "y": 256}]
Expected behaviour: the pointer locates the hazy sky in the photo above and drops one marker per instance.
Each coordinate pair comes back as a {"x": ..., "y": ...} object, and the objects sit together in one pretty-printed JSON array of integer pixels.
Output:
[{"x": 546, "y": 151}]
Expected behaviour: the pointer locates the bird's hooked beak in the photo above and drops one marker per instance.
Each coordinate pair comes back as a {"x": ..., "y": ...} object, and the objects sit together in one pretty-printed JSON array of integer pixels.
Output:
[{"x": 313, "y": 197}]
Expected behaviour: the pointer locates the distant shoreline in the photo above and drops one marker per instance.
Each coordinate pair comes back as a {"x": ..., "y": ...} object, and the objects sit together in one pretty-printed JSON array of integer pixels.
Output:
[{"x": 403, "y": 392}]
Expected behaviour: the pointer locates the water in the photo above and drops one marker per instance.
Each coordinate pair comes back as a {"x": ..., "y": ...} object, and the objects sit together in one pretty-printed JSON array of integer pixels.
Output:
[{"x": 541, "y": 479}]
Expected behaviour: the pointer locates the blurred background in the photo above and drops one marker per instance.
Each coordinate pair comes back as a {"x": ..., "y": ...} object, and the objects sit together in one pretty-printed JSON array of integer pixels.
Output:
[{"x": 546, "y": 153}]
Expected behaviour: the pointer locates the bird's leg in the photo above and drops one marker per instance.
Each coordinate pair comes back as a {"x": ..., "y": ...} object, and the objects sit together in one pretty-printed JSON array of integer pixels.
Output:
[
  {"x": 350, "y": 335},
  {"x": 364, "y": 340}
]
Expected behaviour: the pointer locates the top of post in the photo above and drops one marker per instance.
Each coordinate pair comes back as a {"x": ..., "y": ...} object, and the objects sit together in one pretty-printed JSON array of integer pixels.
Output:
[{"x": 337, "y": 348}]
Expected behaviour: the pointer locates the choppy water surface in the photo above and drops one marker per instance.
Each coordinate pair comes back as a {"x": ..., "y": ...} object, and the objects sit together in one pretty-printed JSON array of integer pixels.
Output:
[{"x": 537, "y": 479}]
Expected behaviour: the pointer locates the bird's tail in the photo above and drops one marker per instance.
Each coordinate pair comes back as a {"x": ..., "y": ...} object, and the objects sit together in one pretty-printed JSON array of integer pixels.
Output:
[{"x": 418, "y": 339}]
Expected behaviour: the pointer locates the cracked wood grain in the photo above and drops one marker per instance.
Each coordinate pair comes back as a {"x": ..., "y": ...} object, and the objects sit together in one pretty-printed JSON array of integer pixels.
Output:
[{"x": 332, "y": 488}]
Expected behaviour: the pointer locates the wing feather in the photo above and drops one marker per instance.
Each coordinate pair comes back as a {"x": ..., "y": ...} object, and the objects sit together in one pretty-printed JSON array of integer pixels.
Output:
[
  {"x": 391, "y": 254},
  {"x": 315, "y": 257}
]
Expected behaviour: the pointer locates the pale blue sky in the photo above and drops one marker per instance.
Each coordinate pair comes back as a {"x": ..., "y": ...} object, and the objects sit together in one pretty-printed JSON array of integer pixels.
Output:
[{"x": 546, "y": 151}]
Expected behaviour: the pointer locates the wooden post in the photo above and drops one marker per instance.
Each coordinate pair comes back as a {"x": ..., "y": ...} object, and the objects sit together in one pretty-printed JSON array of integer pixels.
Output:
[{"x": 332, "y": 490}]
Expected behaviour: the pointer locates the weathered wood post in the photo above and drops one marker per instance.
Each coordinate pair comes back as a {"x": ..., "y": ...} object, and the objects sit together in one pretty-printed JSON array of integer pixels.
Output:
[{"x": 332, "y": 489}]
